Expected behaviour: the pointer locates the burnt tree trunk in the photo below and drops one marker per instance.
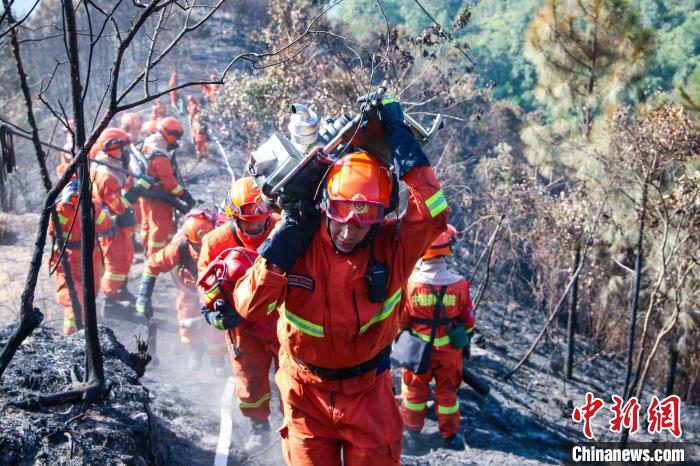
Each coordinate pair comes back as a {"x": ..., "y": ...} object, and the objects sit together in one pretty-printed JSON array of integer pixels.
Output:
[
  {"x": 571, "y": 322},
  {"x": 635, "y": 297},
  {"x": 94, "y": 371},
  {"x": 672, "y": 365}
]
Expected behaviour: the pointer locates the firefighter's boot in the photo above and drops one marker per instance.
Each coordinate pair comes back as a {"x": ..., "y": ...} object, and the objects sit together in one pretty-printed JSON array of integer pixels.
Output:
[
  {"x": 123, "y": 294},
  {"x": 411, "y": 441},
  {"x": 455, "y": 442},
  {"x": 259, "y": 438}
]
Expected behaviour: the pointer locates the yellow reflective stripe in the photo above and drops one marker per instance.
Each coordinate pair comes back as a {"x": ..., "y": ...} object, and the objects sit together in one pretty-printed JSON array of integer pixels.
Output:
[
  {"x": 157, "y": 244},
  {"x": 303, "y": 325},
  {"x": 101, "y": 218},
  {"x": 176, "y": 190},
  {"x": 117, "y": 277},
  {"x": 126, "y": 202},
  {"x": 442, "y": 341},
  {"x": 448, "y": 409},
  {"x": 70, "y": 323},
  {"x": 62, "y": 220},
  {"x": 414, "y": 406},
  {"x": 271, "y": 307},
  {"x": 388, "y": 100},
  {"x": 212, "y": 294},
  {"x": 436, "y": 203},
  {"x": 384, "y": 311},
  {"x": 255, "y": 404}
]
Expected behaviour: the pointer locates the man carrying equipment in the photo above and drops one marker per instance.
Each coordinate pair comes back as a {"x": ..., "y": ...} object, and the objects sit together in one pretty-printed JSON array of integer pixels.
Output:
[
  {"x": 68, "y": 229},
  {"x": 433, "y": 291},
  {"x": 182, "y": 252},
  {"x": 338, "y": 288},
  {"x": 251, "y": 222},
  {"x": 157, "y": 215}
]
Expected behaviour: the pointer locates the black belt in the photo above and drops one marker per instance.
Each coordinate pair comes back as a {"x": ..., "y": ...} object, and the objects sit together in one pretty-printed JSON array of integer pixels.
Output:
[
  {"x": 380, "y": 363},
  {"x": 432, "y": 322}
]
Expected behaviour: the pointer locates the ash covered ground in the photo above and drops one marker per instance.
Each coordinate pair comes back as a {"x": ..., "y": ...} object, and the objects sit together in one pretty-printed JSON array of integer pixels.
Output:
[{"x": 171, "y": 415}]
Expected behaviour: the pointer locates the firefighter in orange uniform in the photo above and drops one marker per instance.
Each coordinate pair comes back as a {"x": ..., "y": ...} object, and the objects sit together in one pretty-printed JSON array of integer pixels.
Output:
[
  {"x": 338, "y": 289},
  {"x": 158, "y": 215},
  {"x": 434, "y": 290},
  {"x": 66, "y": 155},
  {"x": 118, "y": 249},
  {"x": 251, "y": 222},
  {"x": 66, "y": 211},
  {"x": 131, "y": 123},
  {"x": 148, "y": 128},
  {"x": 200, "y": 137},
  {"x": 158, "y": 111},
  {"x": 182, "y": 253}
]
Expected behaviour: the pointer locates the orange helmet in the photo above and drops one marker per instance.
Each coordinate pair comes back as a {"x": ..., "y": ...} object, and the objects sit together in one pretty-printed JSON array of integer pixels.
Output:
[
  {"x": 198, "y": 222},
  {"x": 442, "y": 246},
  {"x": 170, "y": 128},
  {"x": 244, "y": 201},
  {"x": 148, "y": 128},
  {"x": 358, "y": 188},
  {"x": 129, "y": 121},
  {"x": 112, "y": 141}
]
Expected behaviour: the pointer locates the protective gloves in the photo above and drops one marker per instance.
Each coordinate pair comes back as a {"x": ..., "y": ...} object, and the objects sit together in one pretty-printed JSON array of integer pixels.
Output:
[
  {"x": 292, "y": 238},
  {"x": 126, "y": 220},
  {"x": 143, "y": 301},
  {"x": 402, "y": 143},
  {"x": 189, "y": 200},
  {"x": 223, "y": 317}
]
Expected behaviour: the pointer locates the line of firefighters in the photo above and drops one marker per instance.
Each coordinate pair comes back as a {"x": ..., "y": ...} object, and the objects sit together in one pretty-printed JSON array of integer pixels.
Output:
[{"x": 320, "y": 293}]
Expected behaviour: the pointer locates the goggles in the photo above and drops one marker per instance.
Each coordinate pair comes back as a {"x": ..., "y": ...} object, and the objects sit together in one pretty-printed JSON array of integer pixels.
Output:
[
  {"x": 250, "y": 211},
  {"x": 360, "y": 212}
]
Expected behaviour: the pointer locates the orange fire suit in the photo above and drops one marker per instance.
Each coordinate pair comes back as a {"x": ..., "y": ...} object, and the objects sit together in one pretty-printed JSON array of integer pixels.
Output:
[
  {"x": 180, "y": 253},
  {"x": 327, "y": 323},
  {"x": 200, "y": 137},
  {"x": 256, "y": 345},
  {"x": 66, "y": 212},
  {"x": 118, "y": 250},
  {"x": 158, "y": 216},
  {"x": 445, "y": 360},
  {"x": 66, "y": 156},
  {"x": 158, "y": 111}
]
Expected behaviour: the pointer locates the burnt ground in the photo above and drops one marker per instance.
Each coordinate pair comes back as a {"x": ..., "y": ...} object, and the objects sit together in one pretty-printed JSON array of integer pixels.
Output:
[{"x": 526, "y": 420}]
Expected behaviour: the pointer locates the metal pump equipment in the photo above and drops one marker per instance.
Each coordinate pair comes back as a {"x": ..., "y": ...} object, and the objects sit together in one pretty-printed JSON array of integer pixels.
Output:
[{"x": 288, "y": 170}]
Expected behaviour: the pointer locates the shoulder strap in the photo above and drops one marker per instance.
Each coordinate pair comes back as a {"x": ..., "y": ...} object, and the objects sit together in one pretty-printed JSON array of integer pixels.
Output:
[
  {"x": 438, "y": 307},
  {"x": 235, "y": 234}
]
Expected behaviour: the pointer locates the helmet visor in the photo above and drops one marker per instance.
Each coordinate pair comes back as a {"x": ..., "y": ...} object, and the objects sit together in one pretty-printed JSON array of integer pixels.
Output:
[
  {"x": 250, "y": 211},
  {"x": 361, "y": 212}
]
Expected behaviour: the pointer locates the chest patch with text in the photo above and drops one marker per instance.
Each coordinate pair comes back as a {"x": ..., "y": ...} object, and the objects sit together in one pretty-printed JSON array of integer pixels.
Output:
[{"x": 302, "y": 281}]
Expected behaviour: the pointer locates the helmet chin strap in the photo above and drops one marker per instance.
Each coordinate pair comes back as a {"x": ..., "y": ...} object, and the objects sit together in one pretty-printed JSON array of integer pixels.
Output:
[
  {"x": 262, "y": 232},
  {"x": 368, "y": 237}
]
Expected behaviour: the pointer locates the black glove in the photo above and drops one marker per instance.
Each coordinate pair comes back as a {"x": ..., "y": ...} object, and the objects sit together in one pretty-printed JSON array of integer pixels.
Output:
[
  {"x": 143, "y": 301},
  {"x": 133, "y": 194},
  {"x": 466, "y": 351},
  {"x": 223, "y": 317},
  {"x": 289, "y": 242},
  {"x": 189, "y": 200},
  {"x": 401, "y": 141},
  {"x": 127, "y": 219}
]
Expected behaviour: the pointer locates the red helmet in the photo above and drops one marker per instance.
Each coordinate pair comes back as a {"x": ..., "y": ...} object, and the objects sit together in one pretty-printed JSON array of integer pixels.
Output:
[
  {"x": 198, "y": 222},
  {"x": 358, "y": 188},
  {"x": 170, "y": 128},
  {"x": 442, "y": 246},
  {"x": 244, "y": 201},
  {"x": 220, "y": 277},
  {"x": 112, "y": 141}
]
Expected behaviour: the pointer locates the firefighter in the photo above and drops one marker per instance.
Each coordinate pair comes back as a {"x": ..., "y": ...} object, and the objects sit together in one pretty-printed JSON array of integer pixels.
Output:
[
  {"x": 148, "y": 128},
  {"x": 131, "y": 123},
  {"x": 194, "y": 108},
  {"x": 250, "y": 223},
  {"x": 182, "y": 253},
  {"x": 338, "y": 289},
  {"x": 158, "y": 111},
  {"x": 200, "y": 136},
  {"x": 175, "y": 98},
  {"x": 69, "y": 228},
  {"x": 158, "y": 216},
  {"x": 434, "y": 290},
  {"x": 118, "y": 249}
]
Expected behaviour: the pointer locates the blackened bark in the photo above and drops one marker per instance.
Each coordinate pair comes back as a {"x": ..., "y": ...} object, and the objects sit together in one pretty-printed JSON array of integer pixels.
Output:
[
  {"x": 571, "y": 322},
  {"x": 672, "y": 364}
]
